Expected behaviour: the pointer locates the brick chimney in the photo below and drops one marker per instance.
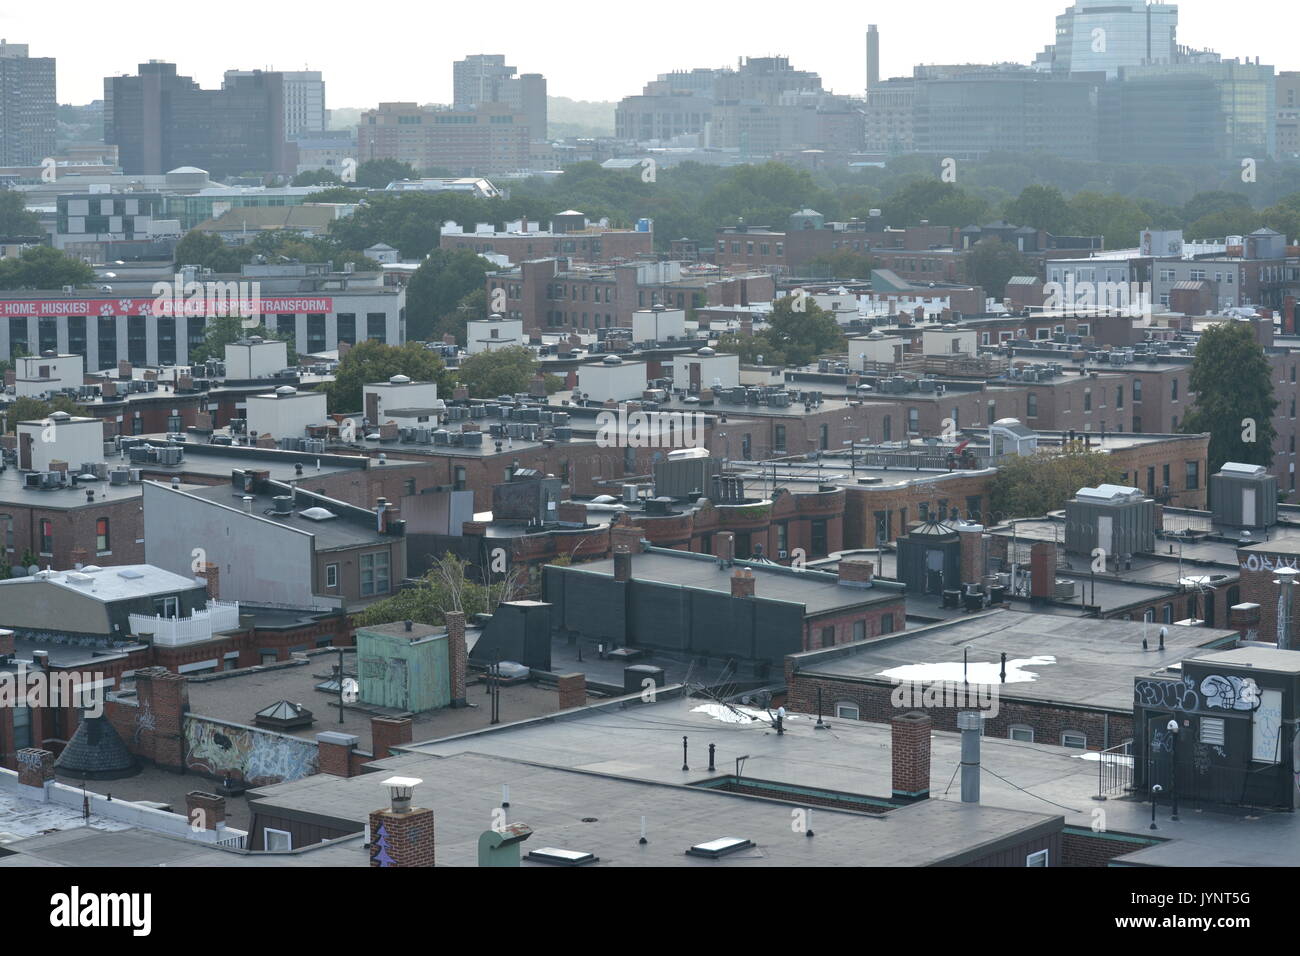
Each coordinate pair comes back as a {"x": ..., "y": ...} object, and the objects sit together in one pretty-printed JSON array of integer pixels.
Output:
[
  {"x": 622, "y": 563},
  {"x": 573, "y": 690},
  {"x": 725, "y": 544},
  {"x": 626, "y": 536},
  {"x": 108, "y": 388},
  {"x": 388, "y": 732},
  {"x": 910, "y": 742},
  {"x": 972, "y": 541},
  {"x": 460, "y": 393},
  {"x": 123, "y": 369},
  {"x": 1244, "y": 618},
  {"x": 79, "y": 556},
  {"x": 205, "y": 811},
  {"x": 210, "y": 574},
  {"x": 35, "y": 767},
  {"x": 372, "y": 407},
  {"x": 334, "y": 752},
  {"x": 1042, "y": 568},
  {"x": 457, "y": 655},
  {"x": 401, "y": 835},
  {"x": 856, "y": 572},
  {"x": 166, "y": 696},
  {"x": 742, "y": 583}
]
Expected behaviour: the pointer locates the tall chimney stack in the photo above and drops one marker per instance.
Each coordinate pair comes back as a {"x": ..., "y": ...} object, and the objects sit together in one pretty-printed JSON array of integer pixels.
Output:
[
  {"x": 910, "y": 755},
  {"x": 399, "y": 834},
  {"x": 968, "y": 722},
  {"x": 1286, "y": 581}
]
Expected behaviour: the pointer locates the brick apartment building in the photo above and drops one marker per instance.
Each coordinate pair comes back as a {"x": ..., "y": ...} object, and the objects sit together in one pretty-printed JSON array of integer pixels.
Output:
[{"x": 485, "y": 140}]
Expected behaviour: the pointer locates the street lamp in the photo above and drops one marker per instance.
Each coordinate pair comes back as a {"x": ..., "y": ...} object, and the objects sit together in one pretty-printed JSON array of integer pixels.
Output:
[
  {"x": 1155, "y": 792},
  {"x": 1172, "y": 727}
]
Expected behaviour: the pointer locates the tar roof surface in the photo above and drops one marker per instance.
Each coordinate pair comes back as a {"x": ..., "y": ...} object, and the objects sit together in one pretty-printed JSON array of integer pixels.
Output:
[
  {"x": 337, "y": 532},
  {"x": 685, "y": 569},
  {"x": 601, "y": 814},
  {"x": 1095, "y": 661}
]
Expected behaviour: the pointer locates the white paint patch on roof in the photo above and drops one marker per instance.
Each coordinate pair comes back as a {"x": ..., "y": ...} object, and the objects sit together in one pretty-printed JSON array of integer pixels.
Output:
[
  {"x": 975, "y": 672},
  {"x": 729, "y": 715}
]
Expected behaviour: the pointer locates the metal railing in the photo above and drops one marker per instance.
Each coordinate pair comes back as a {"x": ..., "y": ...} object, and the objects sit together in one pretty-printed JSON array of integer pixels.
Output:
[{"x": 1115, "y": 770}]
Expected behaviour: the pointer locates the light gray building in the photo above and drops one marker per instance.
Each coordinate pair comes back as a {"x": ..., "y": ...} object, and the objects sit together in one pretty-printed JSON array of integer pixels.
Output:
[{"x": 27, "y": 106}]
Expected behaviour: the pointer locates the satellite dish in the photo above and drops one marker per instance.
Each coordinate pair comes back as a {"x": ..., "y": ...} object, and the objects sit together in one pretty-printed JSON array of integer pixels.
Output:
[{"x": 33, "y": 569}]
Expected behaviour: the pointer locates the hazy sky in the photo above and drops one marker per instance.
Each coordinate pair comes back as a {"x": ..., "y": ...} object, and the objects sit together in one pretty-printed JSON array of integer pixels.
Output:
[{"x": 587, "y": 50}]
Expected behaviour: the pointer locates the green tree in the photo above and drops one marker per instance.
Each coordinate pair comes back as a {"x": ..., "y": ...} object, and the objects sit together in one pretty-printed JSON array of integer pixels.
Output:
[
  {"x": 445, "y": 587},
  {"x": 372, "y": 361},
  {"x": 33, "y": 410},
  {"x": 316, "y": 177},
  {"x": 436, "y": 289},
  {"x": 1233, "y": 388},
  {"x": 499, "y": 372},
  {"x": 1040, "y": 207},
  {"x": 798, "y": 331},
  {"x": 15, "y": 220},
  {"x": 940, "y": 203},
  {"x": 992, "y": 263},
  {"x": 42, "y": 267},
  {"x": 208, "y": 251},
  {"x": 378, "y": 173},
  {"x": 1032, "y": 485}
]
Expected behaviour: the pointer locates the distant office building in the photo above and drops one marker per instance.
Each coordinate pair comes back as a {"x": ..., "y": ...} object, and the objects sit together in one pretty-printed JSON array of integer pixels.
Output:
[
  {"x": 1288, "y": 115},
  {"x": 303, "y": 108},
  {"x": 1241, "y": 93},
  {"x": 1161, "y": 120},
  {"x": 481, "y": 141},
  {"x": 325, "y": 150},
  {"x": 993, "y": 109},
  {"x": 1106, "y": 35},
  {"x": 159, "y": 120},
  {"x": 484, "y": 79},
  {"x": 27, "y": 106}
]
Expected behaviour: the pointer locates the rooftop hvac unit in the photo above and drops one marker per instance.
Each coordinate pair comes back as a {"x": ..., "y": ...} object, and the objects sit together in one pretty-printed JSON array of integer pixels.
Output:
[
  {"x": 100, "y": 470},
  {"x": 51, "y": 479},
  {"x": 282, "y": 505},
  {"x": 563, "y": 433},
  {"x": 404, "y": 434},
  {"x": 1064, "y": 590},
  {"x": 119, "y": 476},
  {"x": 472, "y": 439},
  {"x": 32, "y": 480},
  {"x": 314, "y": 446},
  {"x": 629, "y": 494},
  {"x": 423, "y": 436},
  {"x": 440, "y": 436},
  {"x": 456, "y": 438},
  {"x": 170, "y": 456},
  {"x": 560, "y": 418}
]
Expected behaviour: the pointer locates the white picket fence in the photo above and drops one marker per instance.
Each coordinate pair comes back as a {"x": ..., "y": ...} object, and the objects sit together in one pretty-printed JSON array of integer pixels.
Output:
[{"x": 199, "y": 626}]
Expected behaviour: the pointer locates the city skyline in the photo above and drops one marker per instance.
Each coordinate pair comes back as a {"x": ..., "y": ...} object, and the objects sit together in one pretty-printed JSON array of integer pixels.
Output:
[{"x": 606, "y": 72}]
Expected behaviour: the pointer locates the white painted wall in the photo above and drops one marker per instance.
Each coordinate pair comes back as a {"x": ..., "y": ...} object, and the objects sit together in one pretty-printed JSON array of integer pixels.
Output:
[
  {"x": 74, "y": 440},
  {"x": 286, "y": 416},
  {"x": 620, "y": 382},
  {"x": 256, "y": 359}
]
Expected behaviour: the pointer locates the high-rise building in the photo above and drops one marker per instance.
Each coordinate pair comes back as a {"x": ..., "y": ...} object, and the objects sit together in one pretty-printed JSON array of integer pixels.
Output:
[
  {"x": 28, "y": 107},
  {"x": 304, "y": 100},
  {"x": 484, "y": 79},
  {"x": 160, "y": 121},
  {"x": 1105, "y": 35}
]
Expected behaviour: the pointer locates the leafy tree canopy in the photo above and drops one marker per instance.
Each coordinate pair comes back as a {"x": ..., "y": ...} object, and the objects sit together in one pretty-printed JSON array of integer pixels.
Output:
[
  {"x": 1233, "y": 388},
  {"x": 1032, "y": 485},
  {"x": 42, "y": 267},
  {"x": 372, "y": 361}
]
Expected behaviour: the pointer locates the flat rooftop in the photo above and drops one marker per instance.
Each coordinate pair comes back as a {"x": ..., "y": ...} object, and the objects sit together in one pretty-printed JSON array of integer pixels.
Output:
[
  {"x": 816, "y": 593},
  {"x": 593, "y": 812},
  {"x": 1050, "y": 659}
]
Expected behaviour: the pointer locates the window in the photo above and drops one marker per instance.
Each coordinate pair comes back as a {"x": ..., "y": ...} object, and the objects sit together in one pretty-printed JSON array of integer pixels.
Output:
[
  {"x": 1212, "y": 730},
  {"x": 778, "y": 438},
  {"x": 374, "y": 573},
  {"x": 331, "y": 575},
  {"x": 886, "y": 623},
  {"x": 1137, "y": 390},
  {"x": 846, "y": 711},
  {"x": 913, "y": 420},
  {"x": 277, "y": 841},
  {"x": 410, "y": 484},
  {"x": 1022, "y": 732},
  {"x": 859, "y": 630},
  {"x": 47, "y": 536},
  {"x": 828, "y": 637},
  {"x": 101, "y": 536},
  {"x": 1038, "y": 858},
  {"x": 1031, "y": 406},
  {"x": 1076, "y": 740},
  {"x": 1193, "y": 475},
  {"x": 166, "y": 607},
  {"x": 1173, "y": 389},
  {"x": 818, "y": 543},
  {"x": 1168, "y": 615},
  {"x": 1087, "y": 399}
]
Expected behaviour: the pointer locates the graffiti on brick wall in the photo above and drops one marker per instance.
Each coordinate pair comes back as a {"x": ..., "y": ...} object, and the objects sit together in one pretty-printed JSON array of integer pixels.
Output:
[
  {"x": 255, "y": 756},
  {"x": 144, "y": 720},
  {"x": 1216, "y": 692},
  {"x": 31, "y": 759},
  {"x": 1263, "y": 562}
]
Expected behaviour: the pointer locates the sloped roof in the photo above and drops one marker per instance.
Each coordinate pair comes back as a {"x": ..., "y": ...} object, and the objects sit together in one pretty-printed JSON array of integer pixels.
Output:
[{"x": 96, "y": 752}]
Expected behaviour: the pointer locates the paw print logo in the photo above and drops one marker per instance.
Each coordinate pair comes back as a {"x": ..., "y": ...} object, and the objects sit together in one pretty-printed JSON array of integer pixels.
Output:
[
  {"x": 124, "y": 306},
  {"x": 106, "y": 309}
]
